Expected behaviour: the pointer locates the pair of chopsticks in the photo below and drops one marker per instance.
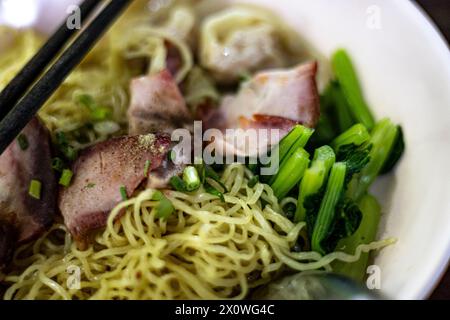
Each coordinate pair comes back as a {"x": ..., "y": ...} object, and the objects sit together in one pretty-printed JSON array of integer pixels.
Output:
[{"x": 29, "y": 90}]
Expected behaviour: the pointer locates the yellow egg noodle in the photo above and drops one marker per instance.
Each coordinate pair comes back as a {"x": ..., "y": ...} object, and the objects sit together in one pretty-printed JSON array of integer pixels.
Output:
[{"x": 209, "y": 249}]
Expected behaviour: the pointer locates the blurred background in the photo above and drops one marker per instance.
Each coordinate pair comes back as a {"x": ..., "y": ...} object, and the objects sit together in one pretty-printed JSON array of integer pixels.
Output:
[{"x": 439, "y": 10}]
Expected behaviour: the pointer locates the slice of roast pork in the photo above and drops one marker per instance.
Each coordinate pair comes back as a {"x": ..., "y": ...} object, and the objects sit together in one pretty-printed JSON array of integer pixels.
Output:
[
  {"x": 277, "y": 99},
  {"x": 23, "y": 217},
  {"x": 101, "y": 172},
  {"x": 156, "y": 105}
]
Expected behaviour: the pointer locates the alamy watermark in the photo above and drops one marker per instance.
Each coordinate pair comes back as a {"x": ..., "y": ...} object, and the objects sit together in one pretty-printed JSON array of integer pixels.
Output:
[{"x": 251, "y": 146}]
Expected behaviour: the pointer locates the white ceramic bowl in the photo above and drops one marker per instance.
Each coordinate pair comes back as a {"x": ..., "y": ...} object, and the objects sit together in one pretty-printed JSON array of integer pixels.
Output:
[{"x": 404, "y": 65}]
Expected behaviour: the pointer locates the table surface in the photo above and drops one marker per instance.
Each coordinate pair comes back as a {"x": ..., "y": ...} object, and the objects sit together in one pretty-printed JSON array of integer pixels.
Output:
[{"x": 439, "y": 10}]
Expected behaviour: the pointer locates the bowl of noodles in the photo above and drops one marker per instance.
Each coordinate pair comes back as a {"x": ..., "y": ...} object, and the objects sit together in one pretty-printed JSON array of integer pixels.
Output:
[{"x": 351, "y": 177}]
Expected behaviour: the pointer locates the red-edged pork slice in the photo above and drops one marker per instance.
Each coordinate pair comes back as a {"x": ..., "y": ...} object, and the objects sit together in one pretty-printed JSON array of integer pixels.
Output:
[
  {"x": 17, "y": 169},
  {"x": 274, "y": 101},
  {"x": 290, "y": 94},
  {"x": 156, "y": 105},
  {"x": 99, "y": 174}
]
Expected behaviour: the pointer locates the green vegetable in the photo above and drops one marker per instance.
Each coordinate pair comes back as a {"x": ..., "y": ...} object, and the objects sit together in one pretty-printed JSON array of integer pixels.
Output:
[
  {"x": 342, "y": 109},
  {"x": 297, "y": 138},
  {"x": 23, "y": 141},
  {"x": 191, "y": 178},
  {"x": 356, "y": 135},
  {"x": 123, "y": 193},
  {"x": 178, "y": 184},
  {"x": 64, "y": 147},
  {"x": 66, "y": 178},
  {"x": 205, "y": 171},
  {"x": 327, "y": 212},
  {"x": 348, "y": 80},
  {"x": 253, "y": 181},
  {"x": 157, "y": 195},
  {"x": 366, "y": 233},
  {"x": 326, "y": 129},
  {"x": 165, "y": 208},
  {"x": 35, "y": 189},
  {"x": 396, "y": 153},
  {"x": 98, "y": 113},
  {"x": 57, "y": 164},
  {"x": 213, "y": 191},
  {"x": 382, "y": 141},
  {"x": 290, "y": 173},
  {"x": 356, "y": 158},
  {"x": 314, "y": 178},
  {"x": 148, "y": 163}
]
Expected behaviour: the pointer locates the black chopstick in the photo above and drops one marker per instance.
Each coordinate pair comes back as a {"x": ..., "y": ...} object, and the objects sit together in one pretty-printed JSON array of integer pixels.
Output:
[
  {"x": 25, "y": 109},
  {"x": 33, "y": 69}
]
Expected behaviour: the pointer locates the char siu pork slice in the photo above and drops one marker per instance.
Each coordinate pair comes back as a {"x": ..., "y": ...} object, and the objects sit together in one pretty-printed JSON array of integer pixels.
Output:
[
  {"x": 22, "y": 216},
  {"x": 101, "y": 172},
  {"x": 156, "y": 105},
  {"x": 277, "y": 99}
]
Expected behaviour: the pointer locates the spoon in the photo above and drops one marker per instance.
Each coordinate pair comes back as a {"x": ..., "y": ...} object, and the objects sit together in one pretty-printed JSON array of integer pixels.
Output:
[{"x": 315, "y": 286}]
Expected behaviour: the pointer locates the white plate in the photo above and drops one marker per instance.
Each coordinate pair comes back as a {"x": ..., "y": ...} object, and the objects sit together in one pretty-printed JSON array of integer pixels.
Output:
[{"x": 404, "y": 65}]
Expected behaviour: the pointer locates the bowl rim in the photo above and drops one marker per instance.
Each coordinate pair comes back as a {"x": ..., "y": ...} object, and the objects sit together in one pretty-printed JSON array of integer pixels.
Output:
[{"x": 425, "y": 290}]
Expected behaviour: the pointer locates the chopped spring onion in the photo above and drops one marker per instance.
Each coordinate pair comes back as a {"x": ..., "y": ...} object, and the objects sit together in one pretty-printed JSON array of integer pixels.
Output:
[
  {"x": 57, "y": 164},
  {"x": 66, "y": 178},
  {"x": 253, "y": 181},
  {"x": 213, "y": 191},
  {"x": 123, "y": 193},
  {"x": 165, "y": 208},
  {"x": 98, "y": 113},
  {"x": 157, "y": 195},
  {"x": 178, "y": 184},
  {"x": 148, "y": 163},
  {"x": 69, "y": 152},
  {"x": 35, "y": 189},
  {"x": 171, "y": 156},
  {"x": 23, "y": 142},
  {"x": 191, "y": 178}
]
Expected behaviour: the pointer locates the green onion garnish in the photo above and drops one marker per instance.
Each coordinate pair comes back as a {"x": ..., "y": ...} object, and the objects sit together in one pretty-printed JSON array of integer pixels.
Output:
[
  {"x": 100, "y": 113},
  {"x": 35, "y": 189},
  {"x": 191, "y": 178},
  {"x": 61, "y": 138},
  {"x": 66, "y": 178},
  {"x": 123, "y": 193},
  {"x": 165, "y": 208},
  {"x": 157, "y": 196},
  {"x": 23, "y": 141},
  {"x": 57, "y": 164},
  {"x": 147, "y": 168},
  {"x": 171, "y": 155},
  {"x": 90, "y": 185},
  {"x": 253, "y": 181},
  {"x": 213, "y": 191},
  {"x": 178, "y": 184}
]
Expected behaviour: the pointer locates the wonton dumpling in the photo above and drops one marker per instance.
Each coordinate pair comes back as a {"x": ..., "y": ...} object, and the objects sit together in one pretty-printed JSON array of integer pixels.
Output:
[{"x": 239, "y": 41}]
